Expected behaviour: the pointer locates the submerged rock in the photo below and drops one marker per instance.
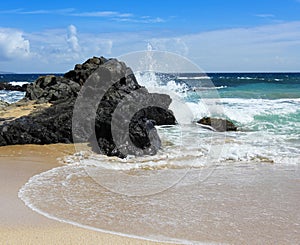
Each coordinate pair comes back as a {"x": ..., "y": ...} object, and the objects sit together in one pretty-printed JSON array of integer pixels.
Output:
[
  {"x": 218, "y": 124},
  {"x": 100, "y": 102}
]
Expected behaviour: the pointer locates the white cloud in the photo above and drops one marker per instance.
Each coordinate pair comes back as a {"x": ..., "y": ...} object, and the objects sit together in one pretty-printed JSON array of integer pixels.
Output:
[
  {"x": 73, "y": 39},
  {"x": 147, "y": 20},
  {"x": 57, "y": 50},
  {"x": 102, "y": 14},
  {"x": 111, "y": 15},
  {"x": 120, "y": 17},
  {"x": 39, "y": 11},
  {"x": 173, "y": 44},
  {"x": 13, "y": 44},
  {"x": 265, "y": 48},
  {"x": 96, "y": 45},
  {"x": 265, "y": 15}
]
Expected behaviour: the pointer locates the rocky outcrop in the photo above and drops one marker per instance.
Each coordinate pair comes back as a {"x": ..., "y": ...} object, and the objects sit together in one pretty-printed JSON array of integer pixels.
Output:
[
  {"x": 51, "y": 88},
  {"x": 81, "y": 72},
  {"x": 54, "y": 89},
  {"x": 100, "y": 102},
  {"x": 48, "y": 126},
  {"x": 8, "y": 86},
  {"x": 125, "y": 113},
  {"x": 217, "y": 124},
  {"x": 3, "y": 104}
]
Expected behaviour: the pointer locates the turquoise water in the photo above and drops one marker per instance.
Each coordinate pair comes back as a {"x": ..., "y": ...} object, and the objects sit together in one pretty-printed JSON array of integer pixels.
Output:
[
  {"x": 262, "y": 101},
  {"x": 262, "y": 91},
  {"x": 250, "y": 86}
]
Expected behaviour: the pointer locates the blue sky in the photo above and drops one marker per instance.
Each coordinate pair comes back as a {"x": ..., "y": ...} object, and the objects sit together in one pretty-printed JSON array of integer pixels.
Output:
[{"x": 218, "y": 35}]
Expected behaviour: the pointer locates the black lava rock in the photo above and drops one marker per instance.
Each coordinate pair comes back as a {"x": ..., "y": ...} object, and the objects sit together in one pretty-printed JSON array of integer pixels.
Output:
[
  {"x": 10, "y": 87},
  {"x": 218, "y": 124},
  {"x": 51, "y": 89},
  {"x": 100, "y": 102}
]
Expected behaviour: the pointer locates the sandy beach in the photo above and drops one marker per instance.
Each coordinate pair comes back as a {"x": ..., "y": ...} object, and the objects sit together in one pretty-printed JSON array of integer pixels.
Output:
[{"x": 19, "y": 224}]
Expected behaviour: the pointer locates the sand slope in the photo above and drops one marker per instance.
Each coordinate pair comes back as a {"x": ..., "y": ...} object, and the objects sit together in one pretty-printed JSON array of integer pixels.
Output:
[{"x": 18, "y": 223}]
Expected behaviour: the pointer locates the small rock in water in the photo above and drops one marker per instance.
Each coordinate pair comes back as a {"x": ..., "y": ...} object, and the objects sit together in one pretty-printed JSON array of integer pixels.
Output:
[{"x": 218, "y": 124}]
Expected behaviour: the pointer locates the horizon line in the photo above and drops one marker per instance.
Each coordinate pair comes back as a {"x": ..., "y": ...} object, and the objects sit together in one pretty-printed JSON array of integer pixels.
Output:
[{"x": 46, "y": 73}]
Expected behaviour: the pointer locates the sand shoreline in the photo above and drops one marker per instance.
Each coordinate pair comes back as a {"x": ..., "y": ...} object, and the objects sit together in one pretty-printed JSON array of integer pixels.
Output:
[
  {"x": 269, "y": 187},
  {"x": 21, "y": 225}
]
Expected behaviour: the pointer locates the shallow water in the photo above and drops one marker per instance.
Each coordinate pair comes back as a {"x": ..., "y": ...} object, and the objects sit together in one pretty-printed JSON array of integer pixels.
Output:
[{"x": 235, "y": 204}]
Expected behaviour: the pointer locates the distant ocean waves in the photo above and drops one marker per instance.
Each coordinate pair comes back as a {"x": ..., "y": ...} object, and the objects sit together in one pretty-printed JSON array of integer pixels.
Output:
[
  {"x": 21, "y": 77},
  {"x": 16, "y": 79}
]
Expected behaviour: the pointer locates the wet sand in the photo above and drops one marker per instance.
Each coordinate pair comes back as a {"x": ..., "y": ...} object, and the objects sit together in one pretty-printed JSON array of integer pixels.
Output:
[
  {"x": 21, "y": 225},
  {"x": 259, "y": 204}
]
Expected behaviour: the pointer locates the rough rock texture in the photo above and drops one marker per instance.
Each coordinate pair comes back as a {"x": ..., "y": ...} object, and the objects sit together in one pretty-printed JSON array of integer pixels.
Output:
[
  {"x": 51, "y": 88},
  {"x": 124, "y": 113},
  {"x": 81, "y": 72},
  {"x": 52, "y": 125},
  {"x": 3, "y": 104},
  {"x": 111, "y": 111},
  {"x": 8, "y": 86},
  {"x": 218, "y": 124}
]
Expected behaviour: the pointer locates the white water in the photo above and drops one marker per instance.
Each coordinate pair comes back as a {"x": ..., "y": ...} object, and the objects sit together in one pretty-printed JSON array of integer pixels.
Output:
[
  {"x": 18, "y": 83},
  {"x": 11, "y": 96}
]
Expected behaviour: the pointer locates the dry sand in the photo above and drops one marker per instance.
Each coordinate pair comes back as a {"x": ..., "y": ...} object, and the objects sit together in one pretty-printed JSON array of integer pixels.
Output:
[
  {"x": 18, "y": 223},
  {"x": 20, "y": 109}
]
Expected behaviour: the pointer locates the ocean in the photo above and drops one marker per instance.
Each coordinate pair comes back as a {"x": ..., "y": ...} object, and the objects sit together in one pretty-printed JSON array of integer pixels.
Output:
[{"x": 179, "y": 194}]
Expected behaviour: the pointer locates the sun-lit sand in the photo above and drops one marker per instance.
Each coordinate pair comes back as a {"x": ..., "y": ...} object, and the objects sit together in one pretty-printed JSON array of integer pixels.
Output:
[
  {"x": 271, "y": 189},
  {"x": 20, "y": 109},
  {"x": 19, "y": 224}
]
